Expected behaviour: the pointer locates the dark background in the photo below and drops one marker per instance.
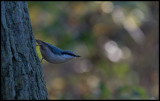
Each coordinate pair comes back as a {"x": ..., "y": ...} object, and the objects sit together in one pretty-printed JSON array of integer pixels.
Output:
[{"x": 118, "y": 43}]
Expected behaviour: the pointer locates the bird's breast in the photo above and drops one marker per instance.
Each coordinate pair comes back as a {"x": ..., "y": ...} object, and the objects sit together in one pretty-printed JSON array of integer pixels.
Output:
[{"x": 53, "y": 58}]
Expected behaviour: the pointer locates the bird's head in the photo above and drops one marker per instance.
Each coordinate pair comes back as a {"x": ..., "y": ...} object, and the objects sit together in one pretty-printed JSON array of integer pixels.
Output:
[{"x": 69, "y": 53}]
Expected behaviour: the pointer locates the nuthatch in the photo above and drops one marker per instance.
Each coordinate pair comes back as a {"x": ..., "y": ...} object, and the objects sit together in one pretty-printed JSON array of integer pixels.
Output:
[{"x": 53, "y": 54}]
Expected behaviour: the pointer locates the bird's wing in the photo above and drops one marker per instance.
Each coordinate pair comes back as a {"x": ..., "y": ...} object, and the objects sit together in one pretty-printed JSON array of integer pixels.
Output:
[{"x": 54, "y": 49}]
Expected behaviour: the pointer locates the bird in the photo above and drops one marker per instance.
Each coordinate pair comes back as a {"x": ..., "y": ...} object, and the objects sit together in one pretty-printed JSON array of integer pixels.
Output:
[{"x": 54, "y": 54}]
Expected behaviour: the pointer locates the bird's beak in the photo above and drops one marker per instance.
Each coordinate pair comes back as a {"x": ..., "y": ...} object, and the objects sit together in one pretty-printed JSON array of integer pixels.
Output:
[{"x": 77, "y": 56}]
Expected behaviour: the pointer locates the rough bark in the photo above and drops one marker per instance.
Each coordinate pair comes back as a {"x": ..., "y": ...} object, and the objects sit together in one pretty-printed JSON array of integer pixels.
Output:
[{"x": 21, "y": 71}]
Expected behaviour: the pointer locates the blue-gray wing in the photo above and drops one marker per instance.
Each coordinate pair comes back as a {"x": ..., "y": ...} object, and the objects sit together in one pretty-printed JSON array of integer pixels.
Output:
[{"x": 54, "y": 49}]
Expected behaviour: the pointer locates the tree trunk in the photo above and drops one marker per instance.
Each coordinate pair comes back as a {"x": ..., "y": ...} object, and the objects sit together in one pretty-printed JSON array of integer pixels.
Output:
[{"x": 21, "y": 71}]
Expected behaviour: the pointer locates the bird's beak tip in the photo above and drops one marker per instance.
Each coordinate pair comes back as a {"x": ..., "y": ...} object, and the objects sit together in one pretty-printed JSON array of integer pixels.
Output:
[{"x": 78, "y": 56}]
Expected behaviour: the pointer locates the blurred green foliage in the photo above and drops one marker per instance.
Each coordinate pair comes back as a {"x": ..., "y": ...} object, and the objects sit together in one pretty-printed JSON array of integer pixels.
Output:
[{"x": 117, "y": 42}]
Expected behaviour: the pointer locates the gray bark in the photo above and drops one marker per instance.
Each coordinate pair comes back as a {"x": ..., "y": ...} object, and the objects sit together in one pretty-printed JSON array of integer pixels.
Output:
[{"x": 21, "y": 71}]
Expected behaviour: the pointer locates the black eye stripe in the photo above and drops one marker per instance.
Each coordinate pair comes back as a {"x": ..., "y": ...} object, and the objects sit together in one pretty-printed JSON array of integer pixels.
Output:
[{"x": 69, "y": 54}]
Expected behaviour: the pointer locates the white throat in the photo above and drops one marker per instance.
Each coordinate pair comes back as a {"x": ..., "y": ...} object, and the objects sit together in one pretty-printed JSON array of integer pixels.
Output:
[{"x": 61, "y": 58}]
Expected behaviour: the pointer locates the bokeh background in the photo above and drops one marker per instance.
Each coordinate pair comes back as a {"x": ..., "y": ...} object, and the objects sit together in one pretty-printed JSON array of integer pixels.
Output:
[{"x": 118, "y": 43}]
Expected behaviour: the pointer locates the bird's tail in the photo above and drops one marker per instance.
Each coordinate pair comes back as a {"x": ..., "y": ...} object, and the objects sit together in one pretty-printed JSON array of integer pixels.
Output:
[{"x": 39, "y": 42}]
